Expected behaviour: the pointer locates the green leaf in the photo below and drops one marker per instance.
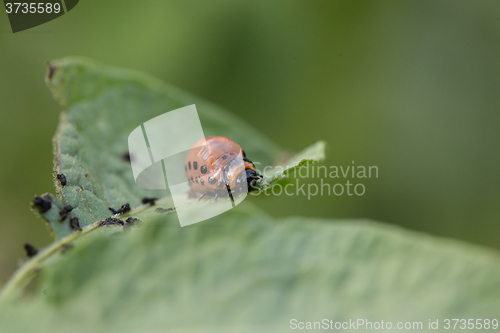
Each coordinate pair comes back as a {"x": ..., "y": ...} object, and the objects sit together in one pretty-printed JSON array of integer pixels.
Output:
[
  {"x": 311, "y": 154},
  {"x": 101, "y": 106},
  {"x": 246, "y": 272},
  {"x": 241, "y": 271}
]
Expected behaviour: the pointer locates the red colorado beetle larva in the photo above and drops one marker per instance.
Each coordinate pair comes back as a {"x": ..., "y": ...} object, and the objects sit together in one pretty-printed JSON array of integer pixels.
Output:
[{"x": 218, "y": 166}]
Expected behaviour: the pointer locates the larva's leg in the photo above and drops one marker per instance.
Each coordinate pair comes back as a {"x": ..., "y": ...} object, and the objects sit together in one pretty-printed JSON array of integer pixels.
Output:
[
  {"x": 230, "y": 195},
  {"x": 207, "y": 193}
]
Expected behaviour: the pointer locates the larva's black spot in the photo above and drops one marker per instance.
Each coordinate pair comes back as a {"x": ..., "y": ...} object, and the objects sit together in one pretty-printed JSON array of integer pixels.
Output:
[
  {"x": 74, "y": 224},
  {"x": 224, "y": 157},
  {"x": 62, "y": 179},
  {"x": 186, "y": 168},
  {"x": 203, "y": 169},
  {"x": 195, "y": 165},
  {"x": 31, "y": 251},
  {"x": 189, "y": 165},
  {"x": 212, "y": 180},
  {"x": 202, "y": 182},
  {"x": 192, "y": 179},
  {"x": 232, "y": 153},
  {"x": 196, "y": 180}
]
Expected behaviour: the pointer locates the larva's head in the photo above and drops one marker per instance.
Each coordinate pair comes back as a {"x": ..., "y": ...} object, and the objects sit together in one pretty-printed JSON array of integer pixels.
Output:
[{"x": 240, "y": 176}]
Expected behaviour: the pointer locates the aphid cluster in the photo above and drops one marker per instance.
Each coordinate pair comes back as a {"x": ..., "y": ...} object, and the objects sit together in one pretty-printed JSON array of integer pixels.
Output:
[
  {"x": 111, "y": 221},
  {"x": 31, "y": 251},
  {"x": 150, "y": 201},
  {"x": 130, "y": 222},
  {"x": 62, "y": 179},
  {"x": 163, "y": 210},
  {"x": 43, "y": 204},
  {"x": 63, "y": 213},
  {"x": 123, "y": 209},
  {"x": 74, "y": 224}
]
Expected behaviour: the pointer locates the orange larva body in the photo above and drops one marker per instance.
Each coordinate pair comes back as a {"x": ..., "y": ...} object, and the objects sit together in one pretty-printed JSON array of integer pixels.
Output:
[{"x": 207, "y": 165}]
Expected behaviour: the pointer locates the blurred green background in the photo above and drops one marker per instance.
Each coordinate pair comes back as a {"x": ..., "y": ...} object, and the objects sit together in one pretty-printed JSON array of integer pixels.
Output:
[{"x": 412, "y": 87}]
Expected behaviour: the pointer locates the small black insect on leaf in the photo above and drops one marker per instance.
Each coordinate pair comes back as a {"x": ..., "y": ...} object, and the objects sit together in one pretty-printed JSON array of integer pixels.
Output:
[
  {"x": 163, "y": 210},
  {"x": 74, "y": 224},
  {"x": 43, "y": 204},
  {"x": 66, "y": 247},
  {"x": 123, "y": 209},
  {"x": 50, "y": 70},
  {"x": 63, "y": 213},
  {"x": 111, "y": 221},
  {"x": 114, "y": 211},
  {"x": 130, "y": 222},
  {"x": 31, "y": 251},
  {"x": 150, "y": 201},
  {"x": 62, "y": 179},
  {"x": 126, "y": 157}
]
